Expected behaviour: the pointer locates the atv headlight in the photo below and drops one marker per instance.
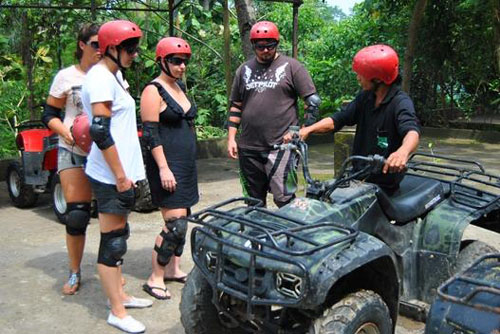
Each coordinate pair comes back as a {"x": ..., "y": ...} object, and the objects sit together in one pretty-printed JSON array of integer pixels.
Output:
[
  {"x": 211, "y": 261},
  {"x": 289, "y": 285}
]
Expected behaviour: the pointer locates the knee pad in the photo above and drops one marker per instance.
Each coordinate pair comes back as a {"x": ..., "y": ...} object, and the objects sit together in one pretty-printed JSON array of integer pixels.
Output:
[
  {"x": 77, "y": 218},
  {"x": 112, "y": 247},
  {"x": 172, "y": 241}
]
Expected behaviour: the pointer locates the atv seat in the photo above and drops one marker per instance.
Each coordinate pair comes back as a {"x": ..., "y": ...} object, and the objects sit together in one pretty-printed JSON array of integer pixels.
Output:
[{"x": 416, "y": 195}]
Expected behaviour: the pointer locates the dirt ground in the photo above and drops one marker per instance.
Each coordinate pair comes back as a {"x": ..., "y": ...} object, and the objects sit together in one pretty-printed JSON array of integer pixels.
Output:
[{"x": 33, "y": 263}]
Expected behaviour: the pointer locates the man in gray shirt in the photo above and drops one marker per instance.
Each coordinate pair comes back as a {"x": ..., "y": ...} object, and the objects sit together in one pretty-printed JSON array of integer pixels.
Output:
[{"x": 264, "y": 104}]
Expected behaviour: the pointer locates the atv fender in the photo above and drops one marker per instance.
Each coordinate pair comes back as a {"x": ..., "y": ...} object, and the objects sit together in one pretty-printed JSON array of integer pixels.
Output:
[
  {"x": 368, "y": 263},
  {"x": 440, "y": 242}
]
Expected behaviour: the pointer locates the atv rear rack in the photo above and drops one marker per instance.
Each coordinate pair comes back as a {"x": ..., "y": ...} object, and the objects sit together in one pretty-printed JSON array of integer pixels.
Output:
[
  {"x": 464, "y": 182},
  {"x": 471, "y": 288},
  {"x": 259, "y": 245}
]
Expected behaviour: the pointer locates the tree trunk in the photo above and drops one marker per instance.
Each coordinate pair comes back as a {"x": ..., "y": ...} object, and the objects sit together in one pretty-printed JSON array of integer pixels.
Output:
[
  {"x": 245, "y": 11},
  {"x": 496, "y": 12},
  {"x": 206, "y": 4},
  {"x": 418, "y": 13},
  {"x": 227, "y": 50},
  {"x": 27, "y": 57}
]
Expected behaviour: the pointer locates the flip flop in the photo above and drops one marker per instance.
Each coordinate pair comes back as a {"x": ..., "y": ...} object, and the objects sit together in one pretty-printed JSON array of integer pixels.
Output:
[
  {"x": 150, "y": 291},
  {"x": 182, "y": 279}
]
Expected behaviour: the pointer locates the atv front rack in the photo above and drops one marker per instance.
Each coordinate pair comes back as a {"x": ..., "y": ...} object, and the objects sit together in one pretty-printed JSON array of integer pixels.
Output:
[
  {"x": 466, "y": 183},
  {"x": 245, "y": 253},
  {"x": 477, "y": 287}
]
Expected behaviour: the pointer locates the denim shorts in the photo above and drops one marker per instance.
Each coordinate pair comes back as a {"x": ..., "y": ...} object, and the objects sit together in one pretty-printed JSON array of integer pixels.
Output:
[
  {"x": 67, "y": 159},
  {"x": 109, "y": 200}
]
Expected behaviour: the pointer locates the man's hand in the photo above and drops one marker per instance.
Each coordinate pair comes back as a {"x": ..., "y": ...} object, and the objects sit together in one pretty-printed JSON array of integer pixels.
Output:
[
  {"x": 303, "y": 134},
  {"x": 232, "y": 149},
  {"x": 396, "y": 162}
]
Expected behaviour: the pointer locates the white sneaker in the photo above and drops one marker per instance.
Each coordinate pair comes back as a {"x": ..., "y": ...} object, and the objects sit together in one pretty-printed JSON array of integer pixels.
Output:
[
  {"x": 127, "y": 324},
  {"x": 134, "y": 302}
]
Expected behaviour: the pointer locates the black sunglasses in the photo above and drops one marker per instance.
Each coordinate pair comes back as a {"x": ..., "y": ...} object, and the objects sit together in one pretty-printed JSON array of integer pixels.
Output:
[
  {"x": 131, "y": 49},
  {"x": 177, "y": 61},
  {"x": 270, "y": 46},
  {"x": 93, "y": 44}
]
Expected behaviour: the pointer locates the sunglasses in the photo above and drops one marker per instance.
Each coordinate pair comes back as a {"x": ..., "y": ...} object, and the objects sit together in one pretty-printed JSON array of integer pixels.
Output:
[
  {"x": 131, "y": 49},
  {"x": 93, "y": 44},
  {"x": 270, "y": 46},
  {"x": 177, "y": 61}
]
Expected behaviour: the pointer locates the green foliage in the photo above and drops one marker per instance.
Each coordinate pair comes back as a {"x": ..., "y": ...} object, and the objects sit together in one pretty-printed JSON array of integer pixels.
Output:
[{"x": 454, "y": 70}]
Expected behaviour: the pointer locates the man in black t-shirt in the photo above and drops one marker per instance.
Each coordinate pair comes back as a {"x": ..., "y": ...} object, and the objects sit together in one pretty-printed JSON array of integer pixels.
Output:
[
  {"x": 384, "y": 115},
  {"x": 264, "y": 105}
]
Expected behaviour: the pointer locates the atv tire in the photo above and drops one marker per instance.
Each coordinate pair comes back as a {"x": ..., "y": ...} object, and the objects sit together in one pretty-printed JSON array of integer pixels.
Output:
[
  {"x": 472, "y": 252},
  {"x": 198, "y": 314},
  {"x": 58, "y": 200},
  {"x": 362, "y": 312},
  {"x": 143, "y": 201},
  {"x": 21, "y": 194}
]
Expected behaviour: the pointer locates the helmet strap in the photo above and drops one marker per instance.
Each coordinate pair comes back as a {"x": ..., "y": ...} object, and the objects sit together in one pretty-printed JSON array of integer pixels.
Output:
[
  {"x": 376, "y": 84},
  {"x": 165, "y": 69},
  {"x": 116, "y": 60}
]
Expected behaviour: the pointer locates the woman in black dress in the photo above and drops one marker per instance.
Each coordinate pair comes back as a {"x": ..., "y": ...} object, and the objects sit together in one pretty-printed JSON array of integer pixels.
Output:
[{"x": 168, "y": 130}]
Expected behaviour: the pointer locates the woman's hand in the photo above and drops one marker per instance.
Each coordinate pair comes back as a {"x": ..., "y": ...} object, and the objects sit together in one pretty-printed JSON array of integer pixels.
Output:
[
  {"x": 167, "y": 179},
  {"x": 124, "y": 184},
  {"x": 67, "y": 137}
]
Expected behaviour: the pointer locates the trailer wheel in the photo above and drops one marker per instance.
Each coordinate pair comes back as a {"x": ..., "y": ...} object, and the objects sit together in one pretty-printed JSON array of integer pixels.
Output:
[
  {"x": 470, "y": 253},
  {"x": 58, "y": 200},
  {"x": 143, "y": 201},
  {"x": 21, "y": 194}
]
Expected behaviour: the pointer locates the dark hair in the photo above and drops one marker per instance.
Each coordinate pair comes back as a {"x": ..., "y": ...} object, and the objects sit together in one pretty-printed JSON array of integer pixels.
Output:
[{"x": 86, "y": 31}]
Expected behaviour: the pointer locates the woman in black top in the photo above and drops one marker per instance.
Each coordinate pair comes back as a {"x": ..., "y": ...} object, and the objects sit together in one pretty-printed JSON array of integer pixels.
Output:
[{"x": 168, "y": 125}]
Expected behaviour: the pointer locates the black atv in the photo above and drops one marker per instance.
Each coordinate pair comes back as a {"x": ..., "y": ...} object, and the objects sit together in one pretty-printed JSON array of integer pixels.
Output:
[
  {"x": 469, "y": 302},
  {"x": 347, "y": 258}
]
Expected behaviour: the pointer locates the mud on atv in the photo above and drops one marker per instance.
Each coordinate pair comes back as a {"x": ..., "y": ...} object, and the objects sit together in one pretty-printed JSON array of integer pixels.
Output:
[
  {"x": 347, "y": 258},
  {"x": 36, "y": 172}
]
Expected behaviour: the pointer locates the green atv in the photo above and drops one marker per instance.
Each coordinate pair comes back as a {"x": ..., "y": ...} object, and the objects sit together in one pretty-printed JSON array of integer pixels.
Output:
[{"x": 346, "y": 258}]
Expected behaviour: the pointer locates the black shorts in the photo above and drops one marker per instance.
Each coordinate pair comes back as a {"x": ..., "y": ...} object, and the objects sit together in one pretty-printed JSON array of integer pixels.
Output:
[{"x": 109, "y": 200}]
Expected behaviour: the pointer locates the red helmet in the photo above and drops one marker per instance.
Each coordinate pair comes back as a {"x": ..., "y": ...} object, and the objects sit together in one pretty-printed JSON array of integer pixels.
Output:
[
  {"x": 264, "y": 30},
  {"x": 377, "y": 62},
  {"x": 81, "y": 132},
  {"x": 115, "y": 32},
  {"x": 170, "y": 45}
]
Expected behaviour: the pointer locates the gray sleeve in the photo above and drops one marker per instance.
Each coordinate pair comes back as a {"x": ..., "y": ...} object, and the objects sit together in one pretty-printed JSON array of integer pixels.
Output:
[{"x": 303, "y": 83}]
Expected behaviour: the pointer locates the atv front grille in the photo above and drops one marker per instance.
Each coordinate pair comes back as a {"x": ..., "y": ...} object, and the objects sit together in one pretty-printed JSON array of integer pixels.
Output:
[{"x": 257, "y": 255}]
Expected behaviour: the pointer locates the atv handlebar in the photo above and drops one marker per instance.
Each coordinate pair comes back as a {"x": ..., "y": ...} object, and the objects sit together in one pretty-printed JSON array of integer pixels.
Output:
[{"x": 366, "y": 165}]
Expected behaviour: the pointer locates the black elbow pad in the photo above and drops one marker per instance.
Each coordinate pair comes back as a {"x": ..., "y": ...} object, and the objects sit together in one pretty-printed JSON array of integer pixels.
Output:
[
  {"x": 151, "y": 134},
  {"x": 100, "y": 132},
  {"x": 312, "y": 111},
  {"x": 50, "y": 112}
]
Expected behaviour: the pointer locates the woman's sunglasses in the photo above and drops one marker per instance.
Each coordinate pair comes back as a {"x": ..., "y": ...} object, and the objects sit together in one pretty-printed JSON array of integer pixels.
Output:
[
  {"x": 93, "y": 44},
  {"x": 131, "y": 49},
  {"x": 177, "y": 61},
  {"x": 270, "y": 46}
]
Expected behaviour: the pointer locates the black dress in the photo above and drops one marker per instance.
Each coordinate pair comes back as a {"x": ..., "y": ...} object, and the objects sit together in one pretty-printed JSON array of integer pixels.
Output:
[{"x": 178, "y": 139}]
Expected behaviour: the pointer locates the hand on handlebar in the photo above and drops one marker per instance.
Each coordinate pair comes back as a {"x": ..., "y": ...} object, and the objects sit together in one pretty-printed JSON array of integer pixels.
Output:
[
  {"x": 302, "y": 134},
  {"x": 395, "y": 163}
]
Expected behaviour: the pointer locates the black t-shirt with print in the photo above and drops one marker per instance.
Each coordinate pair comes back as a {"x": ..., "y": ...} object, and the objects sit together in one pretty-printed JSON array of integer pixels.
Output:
[
  {"x": 380, "y": 130},
  {"x": 268, "y": 93}
]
